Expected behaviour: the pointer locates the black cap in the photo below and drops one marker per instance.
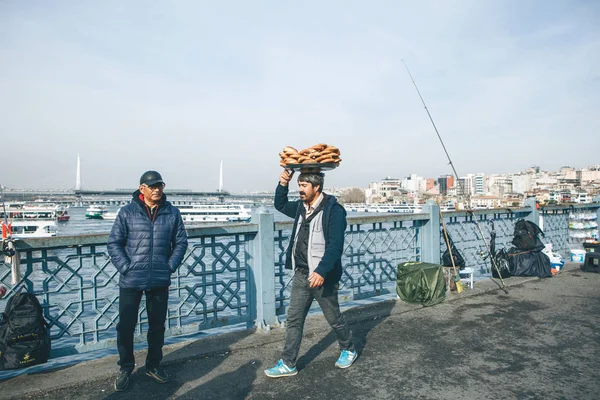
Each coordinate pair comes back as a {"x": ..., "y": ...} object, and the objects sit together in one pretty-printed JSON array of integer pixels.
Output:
[{"x": 151, "y": 178}]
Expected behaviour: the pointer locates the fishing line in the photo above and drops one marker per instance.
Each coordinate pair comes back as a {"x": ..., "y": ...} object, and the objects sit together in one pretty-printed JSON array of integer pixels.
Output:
[{"x": 460, "y": 184}]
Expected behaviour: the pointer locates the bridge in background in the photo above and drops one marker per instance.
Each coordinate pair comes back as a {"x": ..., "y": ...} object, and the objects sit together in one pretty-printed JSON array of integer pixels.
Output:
[
  {"x": 123, "y": 196},
  {"x": 80, "y": 196}
]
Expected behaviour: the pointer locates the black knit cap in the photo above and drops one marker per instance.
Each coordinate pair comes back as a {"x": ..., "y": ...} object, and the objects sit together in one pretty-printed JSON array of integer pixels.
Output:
[{"x": 151, "y": 178}]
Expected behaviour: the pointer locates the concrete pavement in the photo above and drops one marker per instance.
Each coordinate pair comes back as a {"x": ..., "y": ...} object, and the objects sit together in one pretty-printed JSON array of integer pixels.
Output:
[{"x": 541, "y": 341}]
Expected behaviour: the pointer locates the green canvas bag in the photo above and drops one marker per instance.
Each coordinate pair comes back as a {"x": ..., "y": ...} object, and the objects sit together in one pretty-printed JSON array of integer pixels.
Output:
[{"x": 420, "y": 282}]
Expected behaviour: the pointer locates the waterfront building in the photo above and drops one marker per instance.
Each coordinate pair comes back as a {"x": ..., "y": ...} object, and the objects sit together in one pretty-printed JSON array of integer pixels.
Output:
[
  {"x": 580, "y": 196},
  {"x": 545, "y": 180},
  {"x": 479, "y": 184},
  {"x": 445, "y": 182},
  {"x": 429, "y": 184},
  {"x": 587, "y": 176},
  {"x": 414, "y": 183},
  {"x": 522, "y": 183},
  {"x": 383, "y": 191},
  {"x": 513, "y": 200},
  {"x": 499, "y": 184},
  {"x": 478, "y": 202},
  {"x": 554, "y": 197}
]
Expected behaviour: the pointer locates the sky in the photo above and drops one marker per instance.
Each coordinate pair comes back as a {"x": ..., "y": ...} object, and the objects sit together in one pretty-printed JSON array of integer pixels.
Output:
[{"x": 178, "y": 86}]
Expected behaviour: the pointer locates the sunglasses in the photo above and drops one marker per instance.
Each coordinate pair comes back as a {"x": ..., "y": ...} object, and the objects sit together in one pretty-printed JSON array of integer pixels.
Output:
[{"x": 156, "y": 186}]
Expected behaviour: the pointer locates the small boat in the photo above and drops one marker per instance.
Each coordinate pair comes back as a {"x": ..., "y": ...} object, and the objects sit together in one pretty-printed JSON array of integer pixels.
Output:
[
  {"x": 111, "y": 216},
  {"x": 62, "y": 215},
  {"x": 95, "y": 212}
]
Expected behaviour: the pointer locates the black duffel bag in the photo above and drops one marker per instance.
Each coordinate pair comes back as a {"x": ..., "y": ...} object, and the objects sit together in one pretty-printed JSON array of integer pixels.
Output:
[{"x": 529, "y": 263}]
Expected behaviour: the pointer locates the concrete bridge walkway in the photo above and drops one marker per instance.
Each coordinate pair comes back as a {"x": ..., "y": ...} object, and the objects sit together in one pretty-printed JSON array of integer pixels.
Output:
[{"x": 541, "y": 341}]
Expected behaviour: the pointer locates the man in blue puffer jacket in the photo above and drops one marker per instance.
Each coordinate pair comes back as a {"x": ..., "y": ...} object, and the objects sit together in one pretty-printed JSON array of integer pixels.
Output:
[{"x": 146, "y": 245}]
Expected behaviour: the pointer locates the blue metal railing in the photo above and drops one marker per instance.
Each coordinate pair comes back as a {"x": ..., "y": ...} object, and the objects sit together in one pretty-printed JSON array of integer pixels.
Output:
[{"x": 235, "y": 274}]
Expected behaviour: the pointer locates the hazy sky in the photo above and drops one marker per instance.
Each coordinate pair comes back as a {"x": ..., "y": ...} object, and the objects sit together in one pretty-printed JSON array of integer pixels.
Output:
[{"x": 178, "y": 86}]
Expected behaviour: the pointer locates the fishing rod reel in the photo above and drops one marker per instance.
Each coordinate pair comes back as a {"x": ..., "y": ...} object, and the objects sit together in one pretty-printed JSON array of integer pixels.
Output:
[
  {"x": 484, "y": 255},
  {"x": 8, "y": 248}
]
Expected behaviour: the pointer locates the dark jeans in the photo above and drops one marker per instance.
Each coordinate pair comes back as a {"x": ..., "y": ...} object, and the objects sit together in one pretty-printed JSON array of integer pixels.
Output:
[
  {"x": 300, "y": 302},
  {"x": 156, "y": 308}
]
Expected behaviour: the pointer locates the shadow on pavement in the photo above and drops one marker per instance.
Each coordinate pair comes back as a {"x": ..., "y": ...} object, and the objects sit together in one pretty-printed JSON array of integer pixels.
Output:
[
  {"x": 232, "y": 385},
  {"x": 360, "y": 324},
  {"x": 189, "y": 367}
]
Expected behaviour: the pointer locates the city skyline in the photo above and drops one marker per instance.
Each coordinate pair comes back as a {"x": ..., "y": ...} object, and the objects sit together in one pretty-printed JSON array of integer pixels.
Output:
[
  {"x": 134, "y": 86},
  {"x": 84, "y": 186}
]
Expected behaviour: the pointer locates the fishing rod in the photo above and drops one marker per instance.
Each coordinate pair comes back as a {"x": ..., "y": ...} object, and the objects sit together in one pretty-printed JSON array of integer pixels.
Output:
[
  {"x": 11, "y": 256},
  {"x": 460, "y": 184},
  {"x": 432, "y": 123},
  {"x": 6, "y": 231}
]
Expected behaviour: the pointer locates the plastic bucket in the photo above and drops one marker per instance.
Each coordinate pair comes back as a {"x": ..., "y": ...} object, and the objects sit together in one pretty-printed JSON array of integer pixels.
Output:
[
  {"x": 557, "y": 265},
  {"x": 577, "y": 255}
]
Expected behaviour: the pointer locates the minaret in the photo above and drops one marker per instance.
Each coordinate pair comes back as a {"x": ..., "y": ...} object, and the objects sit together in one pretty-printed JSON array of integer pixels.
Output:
[
  {"x": 78, "y": 179},
  {"x": 221, "y": 178}
]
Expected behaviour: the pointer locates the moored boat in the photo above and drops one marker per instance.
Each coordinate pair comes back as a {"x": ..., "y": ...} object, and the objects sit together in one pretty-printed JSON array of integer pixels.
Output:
[
  {"x": 111, "y": 216},
  {"x": 35, "y": 211},
  {"x": 197, "y": 213},
  {"x": 24, "y": 229},
  {"x": 62, "y": 213},
  {"x": 383, "y": 208},
  {"x": 95, "y": 212}
]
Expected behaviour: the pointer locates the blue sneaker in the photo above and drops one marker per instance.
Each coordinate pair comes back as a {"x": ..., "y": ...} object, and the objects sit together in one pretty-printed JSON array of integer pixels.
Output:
[
  {"x": 280, "y": 370},
  {"x": 346, "y": 359}
]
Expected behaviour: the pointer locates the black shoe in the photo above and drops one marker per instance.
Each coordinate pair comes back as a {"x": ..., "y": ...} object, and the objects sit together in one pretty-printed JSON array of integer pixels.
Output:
[
  {"x": 122, "y": 381},
  {"x": 158, "y": 374}
]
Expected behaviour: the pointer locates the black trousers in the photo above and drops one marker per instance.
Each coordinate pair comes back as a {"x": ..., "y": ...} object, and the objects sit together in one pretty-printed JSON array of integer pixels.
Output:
[
  {"x": 300, "y": 301},
  {"x": 156, "y": 307}
]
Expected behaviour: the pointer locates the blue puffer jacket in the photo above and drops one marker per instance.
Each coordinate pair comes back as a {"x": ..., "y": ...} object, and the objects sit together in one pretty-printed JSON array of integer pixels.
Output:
[{"x": 146, "y": 252}]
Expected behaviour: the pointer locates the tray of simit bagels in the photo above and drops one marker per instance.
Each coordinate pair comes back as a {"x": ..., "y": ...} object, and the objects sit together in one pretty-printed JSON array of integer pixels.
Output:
[{"x": 320, "y": 157}]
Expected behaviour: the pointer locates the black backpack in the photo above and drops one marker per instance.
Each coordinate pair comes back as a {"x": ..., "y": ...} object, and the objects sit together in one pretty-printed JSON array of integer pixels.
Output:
[
  {"x": 526, "y": 236},
  {"x": 24, "y": 333},
  {"x": 459, "y": 260}
]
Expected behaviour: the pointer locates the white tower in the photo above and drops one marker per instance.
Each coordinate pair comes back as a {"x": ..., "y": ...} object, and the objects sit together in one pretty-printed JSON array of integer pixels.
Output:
[
  {"x": 221, "y": 178},
  {"x": 78, "y": 179}
]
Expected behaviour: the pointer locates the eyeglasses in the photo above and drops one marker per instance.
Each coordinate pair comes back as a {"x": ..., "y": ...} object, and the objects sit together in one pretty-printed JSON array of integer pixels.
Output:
[{"x": 156, "y": 186}]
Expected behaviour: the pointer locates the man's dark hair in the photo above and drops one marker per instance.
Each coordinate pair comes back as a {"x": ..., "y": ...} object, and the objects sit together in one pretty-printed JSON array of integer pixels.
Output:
[{"x": 314, "y": 178}]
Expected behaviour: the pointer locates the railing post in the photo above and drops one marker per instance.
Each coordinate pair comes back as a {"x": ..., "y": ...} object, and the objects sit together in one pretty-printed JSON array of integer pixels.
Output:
[
  {"x": 534, "y": 215},
  {"x": 430, "y": 234},
  {"x": 262, "y": 268}
]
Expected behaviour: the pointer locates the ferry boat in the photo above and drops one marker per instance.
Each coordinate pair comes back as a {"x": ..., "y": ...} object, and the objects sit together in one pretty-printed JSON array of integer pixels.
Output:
[
  {"x": 383, "y": 208},
  {"x": 24, "y": 229},
  {"x": 95, "y": 212},
  {"x": 25, "y": 211},
  {"x": 203, "y": 213},
  {"x": 355, "y": 207}
]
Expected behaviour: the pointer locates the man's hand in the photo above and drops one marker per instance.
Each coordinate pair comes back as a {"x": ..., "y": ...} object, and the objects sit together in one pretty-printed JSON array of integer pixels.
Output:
[
  {"x": 315, "y": 280},
  {"x": 285, "y": 177}
]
